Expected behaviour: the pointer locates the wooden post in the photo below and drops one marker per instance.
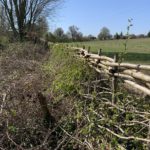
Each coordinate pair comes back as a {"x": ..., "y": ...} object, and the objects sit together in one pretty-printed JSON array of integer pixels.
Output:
[
  {"x": 89, "y": 48},
  {"x": 100, "y": 52},
  {"x": 114, "y": 80},
  {"x": 83, "y": 46}
]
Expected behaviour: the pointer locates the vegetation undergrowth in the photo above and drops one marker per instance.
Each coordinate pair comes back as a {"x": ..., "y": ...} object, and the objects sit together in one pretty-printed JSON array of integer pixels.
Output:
[
  {"x": 89, "y": 117},
  {"x": 79, "y": 112},
  {"x": 68, "y": 72},
  {"x": 21, "y": 78}
]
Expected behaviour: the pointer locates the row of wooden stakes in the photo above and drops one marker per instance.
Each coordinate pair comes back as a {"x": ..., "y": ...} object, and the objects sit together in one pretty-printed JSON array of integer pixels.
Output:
[{"x": 135, "y": 75}]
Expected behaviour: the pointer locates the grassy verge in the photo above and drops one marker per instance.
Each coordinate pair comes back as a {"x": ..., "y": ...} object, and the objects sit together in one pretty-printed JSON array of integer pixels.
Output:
[{"x": 141, "y": 58}]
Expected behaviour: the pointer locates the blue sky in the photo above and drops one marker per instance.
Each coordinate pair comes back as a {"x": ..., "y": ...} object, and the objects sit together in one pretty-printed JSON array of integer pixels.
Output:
[{"x": 91, "y": 15}]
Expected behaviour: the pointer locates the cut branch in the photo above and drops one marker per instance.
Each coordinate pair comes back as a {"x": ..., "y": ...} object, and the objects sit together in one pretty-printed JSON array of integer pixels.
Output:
[
  {"x": 124, "y": 137},
  {"x": 137, "y": 86}
]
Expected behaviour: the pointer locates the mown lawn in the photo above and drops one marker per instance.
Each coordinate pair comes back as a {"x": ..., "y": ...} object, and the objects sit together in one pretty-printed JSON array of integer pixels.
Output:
[{"x": 138, "y": 50}]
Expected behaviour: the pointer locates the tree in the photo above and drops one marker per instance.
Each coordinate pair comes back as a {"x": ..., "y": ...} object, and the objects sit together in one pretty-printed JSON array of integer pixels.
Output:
[
  {"x": 91, "y": 37},
  {"x": 59, "y": 35},
  {"x": 22, "y": 14},
  {"x": 79, "y": 36},
  {"x": 117, "y": 36},
  {"x": 132, "y": 36},
  {"x": 121, "y": 35},
  {"x": 74, "y": 33},
  {"x": 50, "y": 37},
  {"x": 41, "y": 26},
  {"x": 104, "y": 34},
  {"x": 141, "y": 36},
  {"x": 148, "y": 34},
  {"x": 3, "y": 22}
]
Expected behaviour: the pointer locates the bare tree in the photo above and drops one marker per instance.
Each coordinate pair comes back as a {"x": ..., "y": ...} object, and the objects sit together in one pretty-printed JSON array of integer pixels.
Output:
[
  {"x": 3, "y": 21},
  {"x": 74, "y": 33},
  {"x": 41, "y": 27},
  {"x": 59, "y": 32},
  {"x": 104, "y": 34},
  {"x": 22, "y": 14}
]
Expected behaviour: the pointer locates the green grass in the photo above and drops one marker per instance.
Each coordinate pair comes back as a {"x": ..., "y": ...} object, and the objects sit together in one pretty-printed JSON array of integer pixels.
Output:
[{"x": 138, "y": 50}]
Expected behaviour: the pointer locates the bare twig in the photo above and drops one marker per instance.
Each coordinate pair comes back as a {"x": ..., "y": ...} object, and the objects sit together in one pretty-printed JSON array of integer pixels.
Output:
[
  {"x": 3, "y": 103},
  {"x": 124, "y": 137},
  {"x": 11, "y": 140},
  {"x": 80, "y": 142}
]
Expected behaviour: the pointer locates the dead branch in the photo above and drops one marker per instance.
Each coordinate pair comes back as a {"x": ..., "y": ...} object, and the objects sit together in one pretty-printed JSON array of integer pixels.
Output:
[
  {"x": 137, "y": 75},
  {"x": 124, "y": 137},
  {"x": 139, "y": 87},
  {"x": 80, "y": 142},
  {"x": 11, "y": 140},
  {"x": 127, "y": 65},
  {"x": 3, "y": 103}
]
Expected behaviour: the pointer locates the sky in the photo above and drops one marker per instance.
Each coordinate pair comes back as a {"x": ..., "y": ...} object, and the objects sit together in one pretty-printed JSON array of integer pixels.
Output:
[{"x": 91, "y": 15}]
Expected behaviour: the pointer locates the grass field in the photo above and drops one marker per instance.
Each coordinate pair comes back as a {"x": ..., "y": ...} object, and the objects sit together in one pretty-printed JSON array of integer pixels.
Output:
[{"x": 138, "y": 50}]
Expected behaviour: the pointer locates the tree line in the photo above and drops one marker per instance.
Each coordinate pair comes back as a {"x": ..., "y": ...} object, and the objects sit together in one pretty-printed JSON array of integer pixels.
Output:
[{"x": 75, "y": 35}]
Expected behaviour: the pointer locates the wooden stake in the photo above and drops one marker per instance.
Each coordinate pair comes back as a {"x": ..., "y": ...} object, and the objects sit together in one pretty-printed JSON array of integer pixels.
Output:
[
  {"x": 89, "y": 48},
  {"x": 100, "y": 52},
  {"x": 114, "y": 81}
]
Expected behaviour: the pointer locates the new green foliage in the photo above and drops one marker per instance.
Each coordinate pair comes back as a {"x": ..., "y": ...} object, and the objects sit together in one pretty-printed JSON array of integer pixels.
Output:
[{"x": 67, "y": 70}]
